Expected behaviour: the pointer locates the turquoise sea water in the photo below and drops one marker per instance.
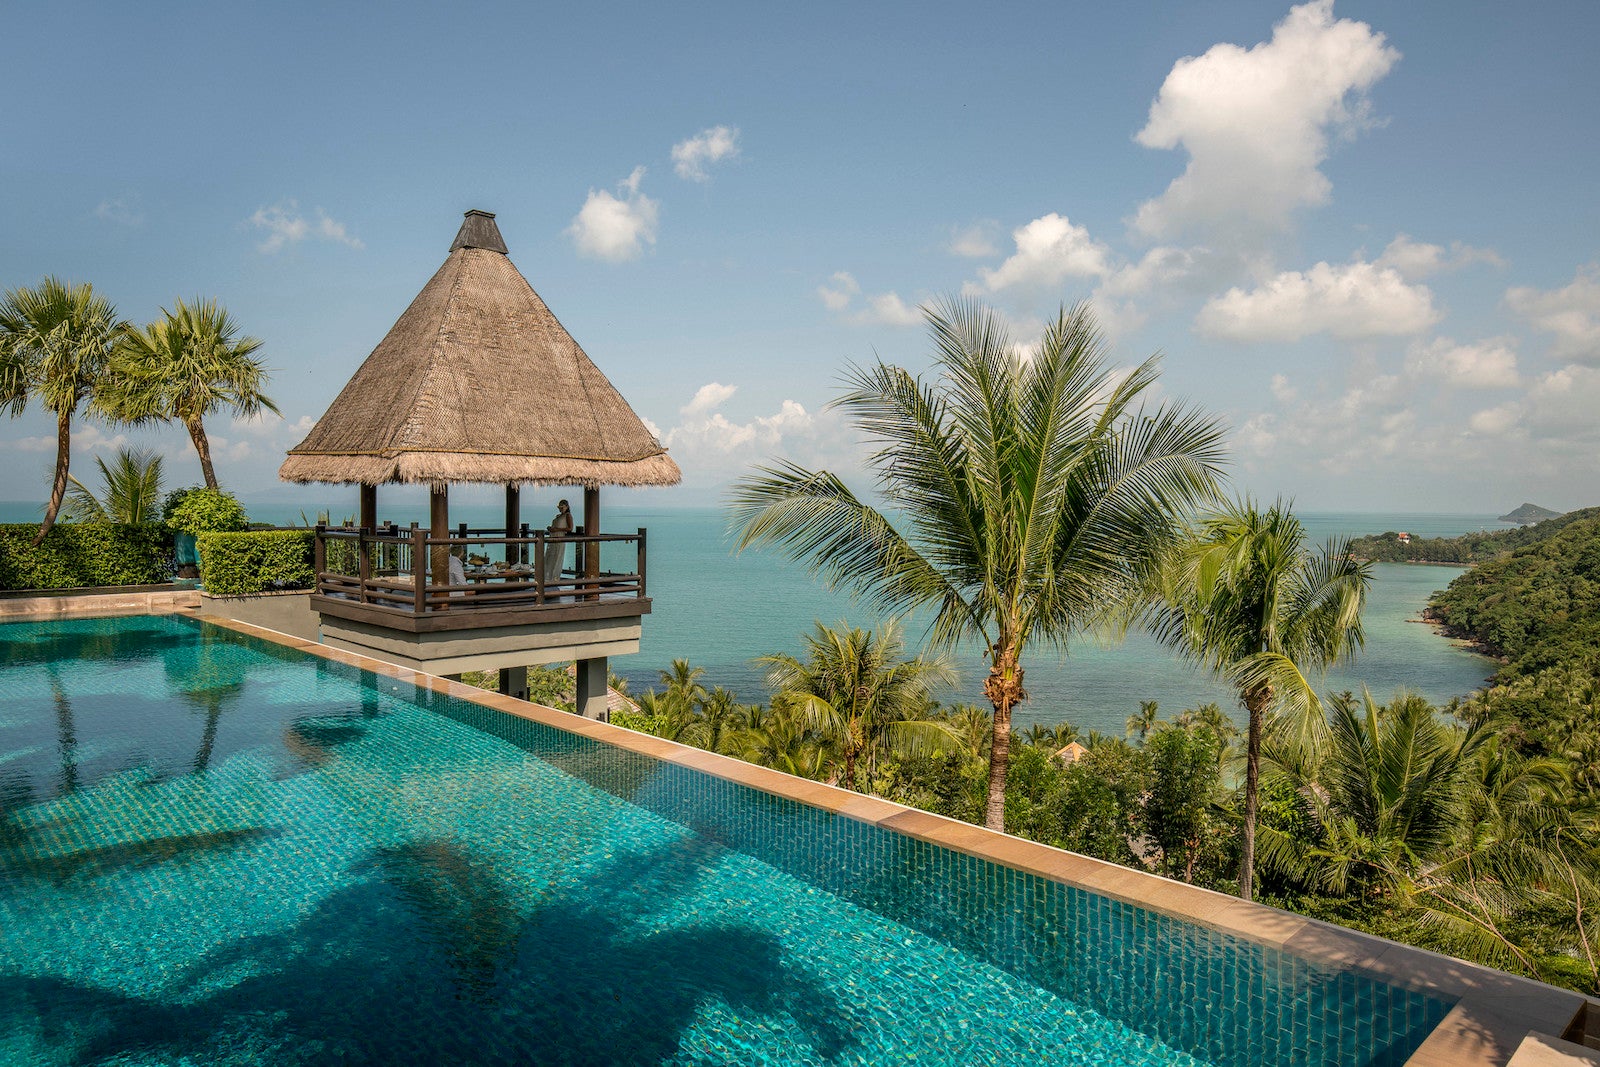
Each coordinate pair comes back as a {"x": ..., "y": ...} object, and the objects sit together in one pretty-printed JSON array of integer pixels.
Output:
[
  {"x": 217, "y": 851},
  {"x": 720, "y": 610}
]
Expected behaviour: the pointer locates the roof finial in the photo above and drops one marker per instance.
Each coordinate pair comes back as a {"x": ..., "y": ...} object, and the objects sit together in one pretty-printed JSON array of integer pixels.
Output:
[{"x": 479, "y": 231}]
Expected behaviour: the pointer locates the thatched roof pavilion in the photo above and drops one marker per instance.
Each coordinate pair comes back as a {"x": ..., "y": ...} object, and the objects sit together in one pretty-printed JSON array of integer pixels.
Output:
[{"x": 478, "y": 382}]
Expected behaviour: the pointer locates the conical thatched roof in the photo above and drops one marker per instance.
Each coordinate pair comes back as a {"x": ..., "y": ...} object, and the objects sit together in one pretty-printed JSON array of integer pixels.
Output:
[{"x": 478, "y": 382}]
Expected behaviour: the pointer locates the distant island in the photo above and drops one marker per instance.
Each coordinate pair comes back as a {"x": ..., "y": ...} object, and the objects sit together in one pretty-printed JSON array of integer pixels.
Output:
[
  {"x": 1530, "y": 513},
  {"x": 1401, "y": 547}
]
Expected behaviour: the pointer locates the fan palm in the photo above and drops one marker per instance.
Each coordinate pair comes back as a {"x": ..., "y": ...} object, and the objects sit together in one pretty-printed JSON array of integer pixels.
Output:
[
  {"x": 56, "y": 340},
  {"x": 1245, "y": 598},
  {"x": 185, "y": 366},
  {"x": 857, "y": 690},
  {"x": 1034, "y": 493},
  {"x": 132, "y": 490}
]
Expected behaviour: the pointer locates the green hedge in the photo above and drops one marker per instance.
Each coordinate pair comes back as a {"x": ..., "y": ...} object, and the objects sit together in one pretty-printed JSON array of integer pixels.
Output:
[
  {"x": 76, "y": 555},
  {"x": 255, "y": 561}
]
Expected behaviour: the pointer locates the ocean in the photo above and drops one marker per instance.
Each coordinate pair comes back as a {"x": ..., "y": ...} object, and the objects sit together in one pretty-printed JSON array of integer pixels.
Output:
[{"x": 719, "y": 609}]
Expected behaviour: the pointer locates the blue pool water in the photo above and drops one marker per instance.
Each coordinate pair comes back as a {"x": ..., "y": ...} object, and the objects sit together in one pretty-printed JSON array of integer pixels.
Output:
[{"x": 215, "y": 850}]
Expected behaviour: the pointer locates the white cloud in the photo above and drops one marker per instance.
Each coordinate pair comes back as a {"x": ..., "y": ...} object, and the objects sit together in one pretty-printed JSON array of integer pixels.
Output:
[
  {"x": 1282, "y": 390},
  {"x": 616, "y": 228},
  {"x": 707, "y": 398},
  {"x": 285, "y": 225},
  {"x": 1562, "y": 404},
  {"x": 1351, "y": 302},
  {"x": 1416, "y": 260},
  {"x": 1488, "y": 364},
  {"x": 1571, "y": 313},
  {"x": 1256, "y": 123},
  {"x": 86, "y": 437},
  {"x": 976, "y": 241},
  {"x": 122, "y": 210},
  {"x": 889, "y": 310},
  {"x": 839, "y": 290},
  {"x": 691, "y": 157},
  {"x": 1496, "y": 421},
  {"x": 1050, "y": 249}
]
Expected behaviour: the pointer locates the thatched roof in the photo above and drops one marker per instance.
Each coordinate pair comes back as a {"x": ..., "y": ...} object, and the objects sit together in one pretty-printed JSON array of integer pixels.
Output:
[{"x": 478, "y": 382}]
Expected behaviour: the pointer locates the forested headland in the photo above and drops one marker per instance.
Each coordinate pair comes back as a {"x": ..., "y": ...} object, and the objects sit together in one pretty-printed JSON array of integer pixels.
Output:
[{"x": 1466, "y": 549}]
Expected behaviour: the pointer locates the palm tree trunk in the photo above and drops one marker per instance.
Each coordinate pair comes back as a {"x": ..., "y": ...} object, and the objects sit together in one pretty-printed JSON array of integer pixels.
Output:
[
  {"x": 1004, "y": 689},
  {"x": 1255, "y": 702},
  {"x": 202, "y": 448},
  {"x": 58, "y": 488}
]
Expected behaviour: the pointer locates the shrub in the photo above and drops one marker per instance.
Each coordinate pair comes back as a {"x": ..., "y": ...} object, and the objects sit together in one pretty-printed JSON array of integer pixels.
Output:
[
  {"x": 257, "y": 561},
  {"x": 200, "y": 511},
  {"x": 78, "y": 555}
]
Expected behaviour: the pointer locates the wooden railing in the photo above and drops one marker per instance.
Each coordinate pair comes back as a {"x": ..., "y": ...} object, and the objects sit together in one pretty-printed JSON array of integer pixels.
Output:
[{"x": 406, "y": 570}]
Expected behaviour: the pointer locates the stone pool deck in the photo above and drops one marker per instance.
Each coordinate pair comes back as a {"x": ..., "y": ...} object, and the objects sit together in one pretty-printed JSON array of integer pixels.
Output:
[{"x": 1499, "y": 1019}]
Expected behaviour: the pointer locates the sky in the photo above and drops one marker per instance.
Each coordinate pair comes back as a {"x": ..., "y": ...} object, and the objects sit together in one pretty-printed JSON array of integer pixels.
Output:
[{"x": 1366, "y": 235}]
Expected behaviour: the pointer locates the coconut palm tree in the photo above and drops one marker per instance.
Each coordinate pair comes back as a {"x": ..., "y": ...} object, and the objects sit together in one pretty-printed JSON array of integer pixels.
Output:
[
  {"x": 857, "y": 690},
  {"x": 189, "y": 364},
  {"x": 1245, "y": 598},
  {"x": 1028, "y": 491},
  {"x": 56, "y": 340},
  {"x": 1144, "y": 720},
  {"x": 132, "y": 490}
]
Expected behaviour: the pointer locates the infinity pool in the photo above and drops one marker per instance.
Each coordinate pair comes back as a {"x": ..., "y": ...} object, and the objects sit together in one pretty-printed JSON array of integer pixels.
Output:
[{"x": 217, "y": 850}]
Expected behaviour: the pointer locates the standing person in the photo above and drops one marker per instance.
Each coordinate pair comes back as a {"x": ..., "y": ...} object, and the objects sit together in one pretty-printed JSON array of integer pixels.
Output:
[{"x": 555, "y": 553}]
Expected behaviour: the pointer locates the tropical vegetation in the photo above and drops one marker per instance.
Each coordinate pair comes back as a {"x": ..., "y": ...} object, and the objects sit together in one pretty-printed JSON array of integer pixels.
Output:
[
  {"x": 130, "y": 490},
  {"x": 1025, "y": 494}
]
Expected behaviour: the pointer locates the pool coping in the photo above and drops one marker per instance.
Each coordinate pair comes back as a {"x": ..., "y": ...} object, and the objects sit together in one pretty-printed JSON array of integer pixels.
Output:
[{"x": 1493, "y": 1014}]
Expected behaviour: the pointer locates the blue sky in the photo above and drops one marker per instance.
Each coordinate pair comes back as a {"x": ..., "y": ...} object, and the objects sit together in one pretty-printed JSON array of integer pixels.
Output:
[{"x": 1365, "y": 234}]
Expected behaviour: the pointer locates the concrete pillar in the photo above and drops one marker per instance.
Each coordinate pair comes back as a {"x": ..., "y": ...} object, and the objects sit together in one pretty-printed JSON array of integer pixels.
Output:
[
  {"x": 590, "y": 691},
  {"x": 514, "y": 682}
]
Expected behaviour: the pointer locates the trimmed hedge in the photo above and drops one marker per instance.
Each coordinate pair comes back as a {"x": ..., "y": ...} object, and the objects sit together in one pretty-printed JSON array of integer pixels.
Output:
[
  {"x": 255, "y": 561},
  {"x": 78, "y": 555}
]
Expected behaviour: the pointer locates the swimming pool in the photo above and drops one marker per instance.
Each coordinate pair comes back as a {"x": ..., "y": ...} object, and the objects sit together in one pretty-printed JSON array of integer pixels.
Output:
[{"x": 214, "y": 849}]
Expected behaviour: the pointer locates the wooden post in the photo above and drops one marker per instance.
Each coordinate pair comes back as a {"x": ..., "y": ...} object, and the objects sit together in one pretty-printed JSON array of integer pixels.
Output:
[
  {"x": 363, "y": 561},
  {"x": 539, "y": 549},
  {"x": 591, "y": 526},
  {"x": 641, "y": 561},
  {"x": 522, "y": 549},
  {"x": 419, "y": 560},
  {"x": 439, "y": 529},
  {"x": 369, "y": 507},
  {"x": 319, "y": 555},
  {"x": 513, "y": 520},
  {"x": 590, "y": 697}
]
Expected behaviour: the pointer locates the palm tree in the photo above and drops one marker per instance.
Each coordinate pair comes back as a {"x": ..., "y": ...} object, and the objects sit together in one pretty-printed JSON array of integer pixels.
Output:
[
  {"x": 1144, "y": 720},
  {"x": 856, "y": 690},
  {"x": 1034, "y": 493},
  {"x": 1245, "y": 598},
  {"x": 55, "y": 343},
  {"x": 185, "y": 366},
  {"x": 132, "y": 491}
]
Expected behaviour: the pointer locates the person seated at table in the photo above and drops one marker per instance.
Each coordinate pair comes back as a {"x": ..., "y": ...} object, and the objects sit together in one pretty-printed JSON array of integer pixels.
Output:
[{"x": 458, "y": 568}]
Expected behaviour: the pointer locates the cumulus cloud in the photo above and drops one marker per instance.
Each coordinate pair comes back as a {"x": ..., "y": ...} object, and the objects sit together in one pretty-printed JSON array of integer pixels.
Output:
[
  {"x": 1351, "y": 301},
  {"x": 706, "y": 429},
  {"x": 1049, "y": 250},
  {"x": 708, "y": 398},
  {"x": 1256, "y": 123},
  {"x": 1571, "y": 313},
  {"x": 1487, "y": 364},
  {"x": 86, "y": 437},
  {"x": 839, "y": 294},
  {"x": 976, "y": 241},
  {"x": 285, "y": 225},
  {"x": 1562, "y": 403},
  {"x": 616, "y": 227},
  {"x": 1416, "y": 259},
  {"x": 691, "y": 157}
]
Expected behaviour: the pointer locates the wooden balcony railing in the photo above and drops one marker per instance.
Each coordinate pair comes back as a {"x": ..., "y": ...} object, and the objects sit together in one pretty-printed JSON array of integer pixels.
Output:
[{"x": 403, "y": 575}]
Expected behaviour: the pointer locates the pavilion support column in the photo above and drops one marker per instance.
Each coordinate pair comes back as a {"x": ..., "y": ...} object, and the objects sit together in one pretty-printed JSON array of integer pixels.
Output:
[
  {"x": 590, "y": 695},
  {"x": 513, "y": 523},
  {"x": 514, "y": 682},
  {"x": 591, "y": 550},
  {"x": 369, "y": 507},
  {"x": 439, "y": 527}
]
